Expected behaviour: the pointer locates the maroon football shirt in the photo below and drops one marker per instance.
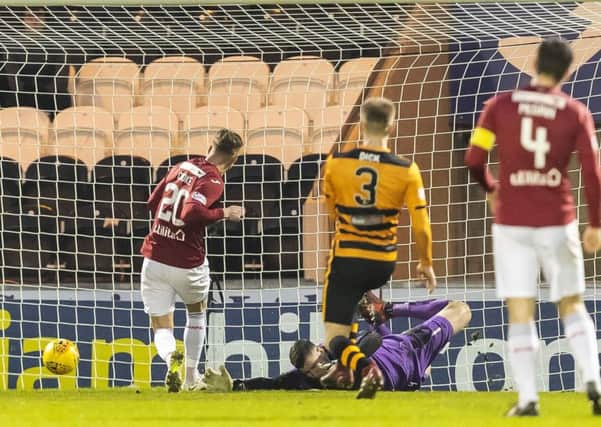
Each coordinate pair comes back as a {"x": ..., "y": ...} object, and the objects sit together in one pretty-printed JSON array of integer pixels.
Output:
[
  {"x": 536, "y": 130},
  {"x": 183, "y": 203}
]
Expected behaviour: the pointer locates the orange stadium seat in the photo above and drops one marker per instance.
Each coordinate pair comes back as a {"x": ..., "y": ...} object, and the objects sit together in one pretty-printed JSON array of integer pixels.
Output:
[
  {"x": 146, "y": 132},
  {"x": 277, "y": 133},
  {"x": 200, "y": 127},
  {"x": 175, "y": 82},
  {"x": 23, "y": 134},
  {"x": 83, "y": 133},
  {"x": 352, "y": 78},
  {"x": 327, "y": 123},
  {"x": 316, "y": 239},
  {"x": 239, "y": 82},
  {"x": 303, "y": 82},
  {"x": 110, "y": 83}
]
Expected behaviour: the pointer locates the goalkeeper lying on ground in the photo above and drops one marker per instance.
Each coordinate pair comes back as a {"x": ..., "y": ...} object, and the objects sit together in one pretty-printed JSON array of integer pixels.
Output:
[{"x": 403, "y": 358}]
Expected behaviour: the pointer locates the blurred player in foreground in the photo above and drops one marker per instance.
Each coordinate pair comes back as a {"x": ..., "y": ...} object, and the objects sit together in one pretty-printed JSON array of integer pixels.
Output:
[
  {"x": 402, "y": 358},
  {"x": 175, "y": 263},
  {"x": 536, "y": 130},
  {"x": 365, "y": 189}
]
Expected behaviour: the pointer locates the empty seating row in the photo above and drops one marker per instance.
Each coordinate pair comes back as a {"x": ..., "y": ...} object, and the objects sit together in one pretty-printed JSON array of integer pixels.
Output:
[
  {"x": 240, "y": 82},
  {"x": 90, "y": 133},
  {"x": 51, "y": 173},
  {"x": 55, "y": 221},
  {"x": 36, "y": 250}
]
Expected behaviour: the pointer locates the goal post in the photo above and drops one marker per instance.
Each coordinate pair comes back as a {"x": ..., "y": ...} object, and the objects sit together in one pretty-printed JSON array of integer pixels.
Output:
[{"x": 99, "y": 100}]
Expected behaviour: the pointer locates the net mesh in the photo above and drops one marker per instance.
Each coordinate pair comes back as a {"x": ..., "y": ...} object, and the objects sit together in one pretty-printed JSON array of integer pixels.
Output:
[{"x": 98, "y": 103}]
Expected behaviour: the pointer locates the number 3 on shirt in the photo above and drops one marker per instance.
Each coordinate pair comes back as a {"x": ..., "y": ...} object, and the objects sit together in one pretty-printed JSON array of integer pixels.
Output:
[
  {"x": 172, "y": 201},
  {"x": 368, "y": 188},
  {"x": 539, "y": 145}
]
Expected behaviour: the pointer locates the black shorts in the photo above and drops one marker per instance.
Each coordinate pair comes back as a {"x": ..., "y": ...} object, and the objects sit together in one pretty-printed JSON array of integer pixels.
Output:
[{"x": 347, "y": 279}]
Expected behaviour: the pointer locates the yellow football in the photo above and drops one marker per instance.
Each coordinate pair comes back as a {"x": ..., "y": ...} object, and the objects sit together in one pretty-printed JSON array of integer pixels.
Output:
[{"x": 60, "y": 356}]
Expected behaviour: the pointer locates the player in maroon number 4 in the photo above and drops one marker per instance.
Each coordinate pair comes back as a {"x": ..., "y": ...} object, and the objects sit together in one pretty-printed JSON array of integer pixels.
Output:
[
  {"x": 175, "y": 263},
  {"x": 536, "y": 129}
]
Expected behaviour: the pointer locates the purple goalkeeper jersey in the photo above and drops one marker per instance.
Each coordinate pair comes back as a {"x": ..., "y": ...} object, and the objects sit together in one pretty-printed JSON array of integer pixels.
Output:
[{"x": 404, "y": 358}]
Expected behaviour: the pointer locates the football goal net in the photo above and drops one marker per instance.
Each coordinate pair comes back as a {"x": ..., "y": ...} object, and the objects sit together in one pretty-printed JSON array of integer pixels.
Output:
[{"x": 98, "y": 102}]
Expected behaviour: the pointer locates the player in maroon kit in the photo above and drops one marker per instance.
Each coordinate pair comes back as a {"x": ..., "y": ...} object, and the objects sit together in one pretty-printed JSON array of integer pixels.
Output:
[
  {"x": 175, "y": 263},
  {"x": 536, "y": 129}
]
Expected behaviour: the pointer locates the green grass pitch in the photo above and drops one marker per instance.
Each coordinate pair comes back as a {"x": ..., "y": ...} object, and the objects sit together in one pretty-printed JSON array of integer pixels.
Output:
[{"x": 149, "y": 408}]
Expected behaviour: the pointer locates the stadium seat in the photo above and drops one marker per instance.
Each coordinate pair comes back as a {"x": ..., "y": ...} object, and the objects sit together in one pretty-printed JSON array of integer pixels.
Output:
[
  {"x": 10, "y": 185},
  {"x": 327, "y": 124},
  {"x": 175, "y": 82},
  {"x": 239, "y": 82},
  {"x": 352, "y": 78},
  {"x": 121, "y": 188},
  {"x": 277, "y": 133},
  {"x": 147, "y": 132},
  {"x": 281, "y": 250},
  {"x": 123, "y": 179},
  {"x": 83, "y": 133},
  {"x": 110, "y": 83},
  {"x": 28, "y": 246},
  {"x": 225, "y": 244},
  {"x": 302, "y": 176},
  {"x": 56, "y": 182},
  {"x": 303, "y": 82},
  {"x": 315, "y": 239},
  {"x": 200, "y": 127},
  {"x": 166, "y": 164},
  {"x": 91, "y": 250},
  {"x": 254, "y": 182},
  {"x": 282, "y": 218},
  {"x": 225, "y": 252},
  {"x": 24, "y": 134}
]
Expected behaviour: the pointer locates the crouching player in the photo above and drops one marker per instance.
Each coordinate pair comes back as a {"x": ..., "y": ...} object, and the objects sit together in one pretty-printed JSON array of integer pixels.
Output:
[{"x": 403, "y": 358}]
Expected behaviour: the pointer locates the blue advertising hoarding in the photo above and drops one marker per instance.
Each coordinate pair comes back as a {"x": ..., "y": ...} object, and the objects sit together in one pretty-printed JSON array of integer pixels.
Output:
[{"x": 252, "y": 334}]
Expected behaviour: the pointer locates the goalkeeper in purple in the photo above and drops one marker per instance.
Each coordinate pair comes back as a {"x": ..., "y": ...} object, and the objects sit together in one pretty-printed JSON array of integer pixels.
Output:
[{"x": 404, "y": 358}]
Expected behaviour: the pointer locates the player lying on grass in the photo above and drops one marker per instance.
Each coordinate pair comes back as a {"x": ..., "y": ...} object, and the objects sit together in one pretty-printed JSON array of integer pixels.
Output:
[{"x": 403, "y": 358}]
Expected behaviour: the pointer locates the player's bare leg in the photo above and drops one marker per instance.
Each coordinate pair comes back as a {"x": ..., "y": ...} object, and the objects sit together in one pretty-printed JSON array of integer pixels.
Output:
[
  {"x": 164, "y": 342},
  {"x": 580, "y": 333},
  {"x": 194, "y": 338},
  {"x": 523, "y": 349}
]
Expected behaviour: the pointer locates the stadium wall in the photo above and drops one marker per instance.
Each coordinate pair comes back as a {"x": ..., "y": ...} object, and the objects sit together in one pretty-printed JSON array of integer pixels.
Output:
[{"x": 251, "y": 332}]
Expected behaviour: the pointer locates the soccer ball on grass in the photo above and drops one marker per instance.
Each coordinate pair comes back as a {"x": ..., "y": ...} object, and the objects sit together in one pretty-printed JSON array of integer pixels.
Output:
[{"x": 60, "y": 356}]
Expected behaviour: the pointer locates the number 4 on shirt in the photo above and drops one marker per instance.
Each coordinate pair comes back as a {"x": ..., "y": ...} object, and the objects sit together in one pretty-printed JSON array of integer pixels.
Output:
[{"x": 537, "y": 145}]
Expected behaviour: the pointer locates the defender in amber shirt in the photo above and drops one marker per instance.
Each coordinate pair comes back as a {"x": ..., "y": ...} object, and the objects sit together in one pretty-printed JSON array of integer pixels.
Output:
[{"x": 366, "y": 189}]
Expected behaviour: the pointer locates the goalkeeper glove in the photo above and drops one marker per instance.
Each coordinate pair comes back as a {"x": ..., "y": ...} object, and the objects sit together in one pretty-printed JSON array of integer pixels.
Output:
[{"x": 218, "y": 381}]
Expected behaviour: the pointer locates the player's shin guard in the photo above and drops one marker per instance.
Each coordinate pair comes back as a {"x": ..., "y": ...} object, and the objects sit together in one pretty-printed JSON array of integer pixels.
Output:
[
  {"x": 164, "y": 342},
  {"x": 523, "y": 349},
  {"x": 194, "y": 338},
  {"x": 580, "y": 332},
  {"x": 348, "y": 353}
]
